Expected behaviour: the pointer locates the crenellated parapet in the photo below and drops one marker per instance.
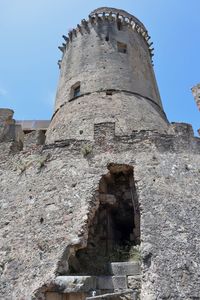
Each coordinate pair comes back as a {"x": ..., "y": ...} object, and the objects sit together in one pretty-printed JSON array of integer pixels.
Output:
[
  {"x": 9, "y": 130},
  {"x": 196, "y": 94},
  {"x": 120, "y": 18}
]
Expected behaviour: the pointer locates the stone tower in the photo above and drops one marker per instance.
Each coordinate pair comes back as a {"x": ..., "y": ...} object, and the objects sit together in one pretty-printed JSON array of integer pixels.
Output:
[
  {"x": 108, "y": 206},
  {"x": 106, "y": 76}
]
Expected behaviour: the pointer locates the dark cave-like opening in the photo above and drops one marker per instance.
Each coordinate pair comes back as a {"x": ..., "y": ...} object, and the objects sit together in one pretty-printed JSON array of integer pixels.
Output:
[{"x": 115, "y": 228}]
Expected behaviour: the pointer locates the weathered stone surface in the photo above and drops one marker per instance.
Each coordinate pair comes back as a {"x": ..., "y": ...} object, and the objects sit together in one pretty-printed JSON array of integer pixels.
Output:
[
  {"x": 127, "y": 294},
  {"x": 45, "y": 216},
  {"x": 74, "y": 284},
  {"x": 9, "y": 131},
  {"x": 124, "y": 268},
  {"x": 116, "y": 71},
  {"x": 49, "y": 195},
  {"x": 112, "y": 283},
  {"x": 72, "y": 296},
  {"x": 196, "y": 94},
  {"x": 134, "y": 282},
  {"x": 33, "y": 138},
  {"x": 118, "y": 87},
  {"x": 129, "y": 112}
]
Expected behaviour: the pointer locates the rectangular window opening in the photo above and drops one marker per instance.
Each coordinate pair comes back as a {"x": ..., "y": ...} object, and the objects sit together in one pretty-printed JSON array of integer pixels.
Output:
[
  {"x": 122, "y": 48},
  {"x": 109, "y": 93},
  {"x": 76, "y": 90}
]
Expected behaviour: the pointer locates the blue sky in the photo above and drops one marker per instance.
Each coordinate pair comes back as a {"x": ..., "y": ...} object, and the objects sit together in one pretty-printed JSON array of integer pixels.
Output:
[{"x": 31, "y": 31}]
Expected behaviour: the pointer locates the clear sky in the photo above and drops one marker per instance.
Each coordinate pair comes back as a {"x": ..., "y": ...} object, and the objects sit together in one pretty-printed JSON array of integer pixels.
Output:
[{"x": 31, "y": 31}]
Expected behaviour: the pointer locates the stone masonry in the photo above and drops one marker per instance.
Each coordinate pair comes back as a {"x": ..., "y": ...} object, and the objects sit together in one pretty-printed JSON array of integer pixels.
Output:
[
  {"x": 196, "y": 94},
  {"x": 109, "y": 151}
]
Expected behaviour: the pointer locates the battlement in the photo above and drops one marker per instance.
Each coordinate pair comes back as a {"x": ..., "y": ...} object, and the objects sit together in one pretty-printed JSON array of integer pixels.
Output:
[
  {"x": 179, "y": 138},
  {"x": 23, "y": 135},
  {"x": 121, "y": 18},
  {"x": 118, "y": 12},
  {"x": 9, "y": 130},
  {"x": 196, "y": 94}
]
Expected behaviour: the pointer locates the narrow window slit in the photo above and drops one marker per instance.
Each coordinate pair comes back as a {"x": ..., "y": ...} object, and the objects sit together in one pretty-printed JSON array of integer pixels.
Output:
[
  {"x": 119, "y": 25},
  {"x": 122, "y": 48},
  {"x": 107, "y": 38}
]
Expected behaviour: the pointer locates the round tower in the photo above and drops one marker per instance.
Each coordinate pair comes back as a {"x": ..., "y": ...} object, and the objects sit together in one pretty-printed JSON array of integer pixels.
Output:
[{"x": 106, "y": 75}]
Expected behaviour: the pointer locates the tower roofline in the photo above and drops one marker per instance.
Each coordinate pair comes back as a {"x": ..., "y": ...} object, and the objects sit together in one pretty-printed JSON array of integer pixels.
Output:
[
  {"x": 109, "y": 14},
  {"x": 120, "y": 12}
]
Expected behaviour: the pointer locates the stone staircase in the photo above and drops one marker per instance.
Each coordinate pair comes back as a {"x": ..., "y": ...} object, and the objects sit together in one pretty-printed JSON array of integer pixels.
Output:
[
  {"x": 122, "y": 282},
  {"x": 116, "y": 295}
]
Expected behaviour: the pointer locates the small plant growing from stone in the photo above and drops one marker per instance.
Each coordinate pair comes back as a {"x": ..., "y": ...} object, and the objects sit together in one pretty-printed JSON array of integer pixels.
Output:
[
  {"x": 126, "y": 253},
  {"x": 39, "y": 161},
  {"x": 86, "y": 150},
  {"x": 23, "y": 166},
  {"x": 42, "y": 162}
]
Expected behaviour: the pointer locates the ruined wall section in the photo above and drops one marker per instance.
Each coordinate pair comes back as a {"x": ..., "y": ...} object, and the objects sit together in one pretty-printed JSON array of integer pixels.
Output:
[
  {"x": 9, "y": 130},
  {"x": 45, "y": 216},
  {"x": 196, "y": 94}
]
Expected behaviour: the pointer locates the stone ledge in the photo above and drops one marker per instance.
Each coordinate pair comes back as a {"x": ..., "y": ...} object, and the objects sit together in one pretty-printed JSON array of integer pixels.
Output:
[
  {"x": 114, "y": 296},
  {"x": 112, "y": 283},
  {"x": 124, "y": 268},
  {"x": 73, "y": 284}
]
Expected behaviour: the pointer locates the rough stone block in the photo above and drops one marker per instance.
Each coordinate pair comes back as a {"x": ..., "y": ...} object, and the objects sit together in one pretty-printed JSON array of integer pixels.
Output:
[
  {"x": 134, "y": 282},
  {"x": 6, "y": 116},
  {"x": 73, "y": 284},
  {"x": 111, "y": 282},
  {"x": 124, "y": 268},
  {"x": 36, "y": 137},
  {"x": 182, "y": 129},
  {"x": 19, "y": 135}
]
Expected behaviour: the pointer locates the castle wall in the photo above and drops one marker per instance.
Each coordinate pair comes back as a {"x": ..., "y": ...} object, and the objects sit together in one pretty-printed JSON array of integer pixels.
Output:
[
  {"x": 129, "y": 112},
  {"x": 47, "y": 199},
  {"x": 108, "y": 117}
]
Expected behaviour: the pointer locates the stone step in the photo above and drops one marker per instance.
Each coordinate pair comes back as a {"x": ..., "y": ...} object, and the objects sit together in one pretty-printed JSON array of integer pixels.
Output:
[
  {"x": 115, "y": 296},
  {"x": 112, "y": 283},
  {"x": 74, "y": 284},
  {"x": 124, "y": 268}
]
